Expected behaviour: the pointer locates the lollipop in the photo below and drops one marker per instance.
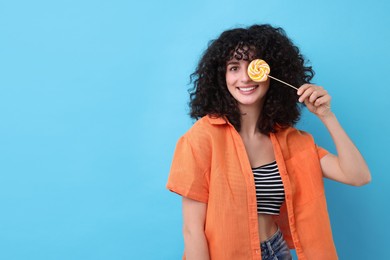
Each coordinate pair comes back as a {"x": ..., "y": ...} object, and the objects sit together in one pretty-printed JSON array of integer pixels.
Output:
[{"x": 258, "y": 71}]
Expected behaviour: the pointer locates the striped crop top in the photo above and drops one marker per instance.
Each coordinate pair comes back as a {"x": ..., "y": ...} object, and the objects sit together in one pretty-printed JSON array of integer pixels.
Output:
[{"x": 269, "y": 188}]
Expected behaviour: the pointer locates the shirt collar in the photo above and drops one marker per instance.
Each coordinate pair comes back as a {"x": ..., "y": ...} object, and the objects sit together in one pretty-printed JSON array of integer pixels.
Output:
[
  {"x": 221, "y": 120},
  {"x": 214, "y": 120}
]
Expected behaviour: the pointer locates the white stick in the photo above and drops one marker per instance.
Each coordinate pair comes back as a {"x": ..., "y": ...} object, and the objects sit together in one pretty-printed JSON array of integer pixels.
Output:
[{"x": 291, "y": 86}]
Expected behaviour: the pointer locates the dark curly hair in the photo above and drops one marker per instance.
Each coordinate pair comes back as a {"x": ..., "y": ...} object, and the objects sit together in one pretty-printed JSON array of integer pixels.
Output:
[{"x": 210, "y": 95}]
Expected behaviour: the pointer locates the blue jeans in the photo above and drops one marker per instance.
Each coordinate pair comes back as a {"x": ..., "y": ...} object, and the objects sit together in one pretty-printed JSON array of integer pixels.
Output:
[{"x": 275, "y": 248}]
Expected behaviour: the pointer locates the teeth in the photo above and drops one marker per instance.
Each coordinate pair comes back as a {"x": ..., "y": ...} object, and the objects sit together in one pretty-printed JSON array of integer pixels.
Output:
[{"x": 247, "y": 89}]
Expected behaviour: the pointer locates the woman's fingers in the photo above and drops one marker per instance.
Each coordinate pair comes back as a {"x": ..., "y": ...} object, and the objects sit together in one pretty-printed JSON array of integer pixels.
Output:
[
  {"x": 304, "y": 91},
  {"x": 324, "y": 100},
  {"x": 313, "y": 93},
  {"x": 316, "y": 99}
]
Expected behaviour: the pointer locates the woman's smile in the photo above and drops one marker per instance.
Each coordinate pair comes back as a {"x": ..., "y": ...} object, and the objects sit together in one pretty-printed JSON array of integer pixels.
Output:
[{"x": 247, "y": 90}]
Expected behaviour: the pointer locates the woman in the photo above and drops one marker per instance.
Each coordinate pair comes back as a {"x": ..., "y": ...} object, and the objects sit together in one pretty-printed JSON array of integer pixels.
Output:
[{"x": 252, "y": 185}]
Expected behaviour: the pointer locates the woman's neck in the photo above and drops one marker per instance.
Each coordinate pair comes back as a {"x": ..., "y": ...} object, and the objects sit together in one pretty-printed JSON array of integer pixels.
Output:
[{"x": 249, "y": 119}]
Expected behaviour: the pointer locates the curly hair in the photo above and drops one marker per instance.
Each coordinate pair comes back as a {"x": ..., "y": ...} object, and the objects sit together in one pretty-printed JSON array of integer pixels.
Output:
[{"x": 210, "y": 95}]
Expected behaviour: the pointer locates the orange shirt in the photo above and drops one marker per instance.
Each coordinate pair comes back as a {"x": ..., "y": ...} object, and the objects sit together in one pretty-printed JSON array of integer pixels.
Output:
[{"x": 210, "y": 165}]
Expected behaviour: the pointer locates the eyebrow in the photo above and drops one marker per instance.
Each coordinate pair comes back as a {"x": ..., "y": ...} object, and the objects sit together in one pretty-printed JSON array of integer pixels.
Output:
[{"x": 232, "y": 63}]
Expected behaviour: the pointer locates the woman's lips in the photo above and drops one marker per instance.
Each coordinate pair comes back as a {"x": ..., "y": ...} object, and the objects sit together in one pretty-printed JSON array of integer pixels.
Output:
[{"x": 247, "y": 90}]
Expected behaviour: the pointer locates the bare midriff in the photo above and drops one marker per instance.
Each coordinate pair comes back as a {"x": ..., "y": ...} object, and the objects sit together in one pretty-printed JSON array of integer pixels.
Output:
[{"x": 267, "y": 226}]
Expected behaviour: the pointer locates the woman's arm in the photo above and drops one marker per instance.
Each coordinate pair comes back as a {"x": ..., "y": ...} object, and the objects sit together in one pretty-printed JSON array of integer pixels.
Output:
[
  {"x": 195, "y": 242},
  {"x": 348, "y": 166}
]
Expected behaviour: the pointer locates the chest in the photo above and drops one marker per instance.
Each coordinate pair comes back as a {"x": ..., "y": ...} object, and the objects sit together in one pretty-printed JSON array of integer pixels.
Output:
[
  {"x": 259, "y": 150},
  {"x": 231, "y": 176}
]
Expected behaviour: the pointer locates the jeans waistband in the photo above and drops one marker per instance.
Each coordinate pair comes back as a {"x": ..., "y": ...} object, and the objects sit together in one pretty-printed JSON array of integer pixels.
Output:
[{"x": 278, "y": 234}]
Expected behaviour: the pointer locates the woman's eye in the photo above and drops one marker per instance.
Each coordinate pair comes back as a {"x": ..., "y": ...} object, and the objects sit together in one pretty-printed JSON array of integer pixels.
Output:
[{"x": 234, "y": 68}]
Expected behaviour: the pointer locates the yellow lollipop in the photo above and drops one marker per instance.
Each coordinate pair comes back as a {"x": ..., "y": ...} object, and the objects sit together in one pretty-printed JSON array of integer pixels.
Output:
[{"x": 258, "y": 71}]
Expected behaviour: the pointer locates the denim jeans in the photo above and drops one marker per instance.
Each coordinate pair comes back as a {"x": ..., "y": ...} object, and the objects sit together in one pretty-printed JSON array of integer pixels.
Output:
[{"x": 275, "y": 248}]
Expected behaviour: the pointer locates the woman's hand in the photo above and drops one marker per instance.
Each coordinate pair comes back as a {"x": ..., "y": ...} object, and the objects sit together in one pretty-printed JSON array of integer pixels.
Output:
[{"x": 316, "y": 99}]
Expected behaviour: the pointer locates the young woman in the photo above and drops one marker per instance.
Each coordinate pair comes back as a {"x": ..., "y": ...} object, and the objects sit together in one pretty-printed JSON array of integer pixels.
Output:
[{"x": 252, "y": 184}]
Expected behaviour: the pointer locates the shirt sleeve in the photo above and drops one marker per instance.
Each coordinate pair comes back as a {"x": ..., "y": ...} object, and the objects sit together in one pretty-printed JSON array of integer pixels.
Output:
[
  {"x": 321, "y": 152},
  {"x": 189, "y": 174}
]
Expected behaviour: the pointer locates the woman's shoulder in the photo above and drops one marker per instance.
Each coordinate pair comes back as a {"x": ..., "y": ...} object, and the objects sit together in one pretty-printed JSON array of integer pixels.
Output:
[
  {"x": 293, "y": 141},
  {"x": 292, "y": 133},
  {"x": 201, "y": 136},
  {"x": 207, "y": 125}
]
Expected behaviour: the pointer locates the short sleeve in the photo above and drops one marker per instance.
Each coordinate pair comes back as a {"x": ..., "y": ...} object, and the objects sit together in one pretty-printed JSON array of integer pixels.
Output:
[
  {"x": 189, "y": 174},
  {"x": 321, "y": 152}
]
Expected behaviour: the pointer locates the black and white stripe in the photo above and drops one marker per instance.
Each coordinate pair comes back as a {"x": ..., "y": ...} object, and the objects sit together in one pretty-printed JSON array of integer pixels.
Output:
[{"x": 269, "y": 188}]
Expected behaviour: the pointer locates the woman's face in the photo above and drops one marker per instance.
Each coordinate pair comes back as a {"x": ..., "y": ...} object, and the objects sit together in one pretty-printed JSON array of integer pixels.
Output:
[{"x": 241, "y": 87}]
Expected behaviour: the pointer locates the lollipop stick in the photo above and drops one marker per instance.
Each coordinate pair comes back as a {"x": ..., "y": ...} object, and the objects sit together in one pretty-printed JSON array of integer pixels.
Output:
[
  {"x": 327, "y": 106},
  {"x": 291, "y": 86}
]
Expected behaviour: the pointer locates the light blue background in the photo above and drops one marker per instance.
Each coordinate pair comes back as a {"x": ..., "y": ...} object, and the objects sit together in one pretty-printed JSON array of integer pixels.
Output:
[{"x": 93, "y": 97}]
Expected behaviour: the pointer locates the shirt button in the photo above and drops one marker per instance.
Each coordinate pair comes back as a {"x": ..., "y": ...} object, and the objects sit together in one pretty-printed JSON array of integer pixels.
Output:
[{"x": 257, "y": 251}]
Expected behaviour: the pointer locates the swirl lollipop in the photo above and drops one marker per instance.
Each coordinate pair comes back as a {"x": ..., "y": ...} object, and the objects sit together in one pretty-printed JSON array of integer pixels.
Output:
[{"x": 258, "y": 71}]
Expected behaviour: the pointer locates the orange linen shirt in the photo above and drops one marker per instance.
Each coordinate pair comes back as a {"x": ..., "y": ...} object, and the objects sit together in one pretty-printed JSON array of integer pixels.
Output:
[{"x": 211, "y": 165}]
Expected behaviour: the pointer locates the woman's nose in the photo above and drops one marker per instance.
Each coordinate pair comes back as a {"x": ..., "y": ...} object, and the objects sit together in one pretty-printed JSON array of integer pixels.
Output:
[{"x": 244, "y": 75}]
